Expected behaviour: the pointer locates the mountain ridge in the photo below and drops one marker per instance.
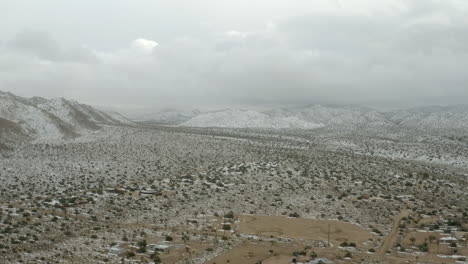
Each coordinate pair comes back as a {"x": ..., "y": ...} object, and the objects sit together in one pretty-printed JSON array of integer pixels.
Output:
[
  {"x": 37, "y": 117},
  {"x": 338, "y": 116}
]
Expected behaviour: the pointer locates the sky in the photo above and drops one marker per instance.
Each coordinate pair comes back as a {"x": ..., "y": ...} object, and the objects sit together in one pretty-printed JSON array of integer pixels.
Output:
[{"x": 142, "y": 54}]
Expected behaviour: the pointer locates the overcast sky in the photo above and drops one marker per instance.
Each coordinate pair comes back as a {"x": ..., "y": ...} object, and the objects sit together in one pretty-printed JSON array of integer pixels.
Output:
[{"x": 208, "y": 53}]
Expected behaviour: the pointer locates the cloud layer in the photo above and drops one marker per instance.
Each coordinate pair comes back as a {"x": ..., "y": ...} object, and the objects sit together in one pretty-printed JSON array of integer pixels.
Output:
[{"x": 400, "y": 52}]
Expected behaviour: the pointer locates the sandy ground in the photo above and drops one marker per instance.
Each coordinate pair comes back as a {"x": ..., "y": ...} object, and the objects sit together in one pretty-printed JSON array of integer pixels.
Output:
[
  {"x": 300, "y": 228},
  {"x": 251, "y": 252}
]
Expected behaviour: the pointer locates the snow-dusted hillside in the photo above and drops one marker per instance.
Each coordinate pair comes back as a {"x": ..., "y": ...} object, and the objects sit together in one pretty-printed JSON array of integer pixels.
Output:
[
  {"x": 59, "y": 117},
  {"x": 168, "y": 116},
  {"x": 435, "y": 117},
  {"x": 32, "y": 118},
  {"x": 11, "y": 132},
  {"x": 81, "y": 117},
  {"x": 308, "y": 117},
  {"x": 237, "y": 118},
  {"x": 69, "y": 112},
  {"x": 342, "y": 115},
  {"x": 54, "y": 118},
  {"x": 333, "y": 116}
]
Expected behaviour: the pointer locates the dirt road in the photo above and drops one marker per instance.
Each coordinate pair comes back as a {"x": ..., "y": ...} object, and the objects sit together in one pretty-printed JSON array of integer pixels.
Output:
[{"x": 392, "y": 236}]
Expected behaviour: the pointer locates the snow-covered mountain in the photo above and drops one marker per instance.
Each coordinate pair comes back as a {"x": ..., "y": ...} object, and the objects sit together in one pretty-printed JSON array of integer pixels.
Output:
[
  {"x": 308, "y": 117},
  {"x": 31, "y": 118},
  {"x": 239, "y": 118},
  {"x": 39, "y": 117},
  {"x": 54, "y": 118},
  {"x": 435, "y": 117},
  {"x": 167, "y": 116},
  {"x": 334, "y": 116},
  {"x": 11, "y": 132},
  {"x": 79, "y": 116}
]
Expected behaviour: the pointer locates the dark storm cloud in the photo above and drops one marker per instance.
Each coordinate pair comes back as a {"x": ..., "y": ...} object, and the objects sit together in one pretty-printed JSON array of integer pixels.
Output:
[{"x": 317, "y": 51}]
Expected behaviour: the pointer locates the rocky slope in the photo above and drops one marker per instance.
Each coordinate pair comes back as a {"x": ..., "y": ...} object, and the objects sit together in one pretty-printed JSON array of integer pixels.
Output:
[
  {"x": 11, "y": 132},
  {"x": 55, "y": 118}
]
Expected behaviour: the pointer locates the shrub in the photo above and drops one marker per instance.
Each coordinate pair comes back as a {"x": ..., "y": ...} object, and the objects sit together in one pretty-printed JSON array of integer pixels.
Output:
[
  {"x": 230, "y": 214},
  {"x": 294, "y": 215},
  {"x": 142, "y": 243}
]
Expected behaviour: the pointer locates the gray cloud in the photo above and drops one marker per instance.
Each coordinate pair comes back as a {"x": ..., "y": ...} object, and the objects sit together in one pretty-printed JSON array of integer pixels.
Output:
[
  {"x": 44, "y": 47},
  {"x": 398, "y": 52},
  {"x": 36, "y": 43}
]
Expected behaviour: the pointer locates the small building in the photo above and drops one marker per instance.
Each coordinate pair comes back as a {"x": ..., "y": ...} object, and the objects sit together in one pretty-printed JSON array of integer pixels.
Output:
[
  {"x": 158, "y": 247},
  {"x": 448, "y": 240},
  {"x": 117, "y": 251},
  {"x": 320, "y": 261},
  {"x": 150, "y": 192}
]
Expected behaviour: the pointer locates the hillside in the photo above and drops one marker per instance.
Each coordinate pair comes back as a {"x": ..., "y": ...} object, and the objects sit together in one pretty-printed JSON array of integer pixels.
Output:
[
  {"x": 334, "y": 116},
  {"x": 55, "y": 118},
  {"x": 167, "y": 116},
  {"x": 236, "y": 118},
  {"x": 436, "y": 117}
]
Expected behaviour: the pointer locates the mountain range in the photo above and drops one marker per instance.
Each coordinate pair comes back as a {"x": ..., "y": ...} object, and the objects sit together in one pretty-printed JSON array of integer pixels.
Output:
[
  {"x": 29, "y": 118},
  {"x": 333, "y": 116},
  {"x": 167, "y": 116},
  {"x": 38, "y": 117}
]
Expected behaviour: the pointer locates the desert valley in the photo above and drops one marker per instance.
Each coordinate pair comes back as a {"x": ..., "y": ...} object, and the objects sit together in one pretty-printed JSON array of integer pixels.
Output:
[{"x": 312, "y": 184}]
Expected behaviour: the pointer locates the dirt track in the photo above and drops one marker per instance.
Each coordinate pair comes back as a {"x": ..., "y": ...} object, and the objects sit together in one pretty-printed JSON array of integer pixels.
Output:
[{"x": 392, "y": 236}]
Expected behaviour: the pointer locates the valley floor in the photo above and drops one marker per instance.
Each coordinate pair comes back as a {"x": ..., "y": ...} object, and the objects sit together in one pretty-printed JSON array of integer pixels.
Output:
[{"x": 195, "y": 195}]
